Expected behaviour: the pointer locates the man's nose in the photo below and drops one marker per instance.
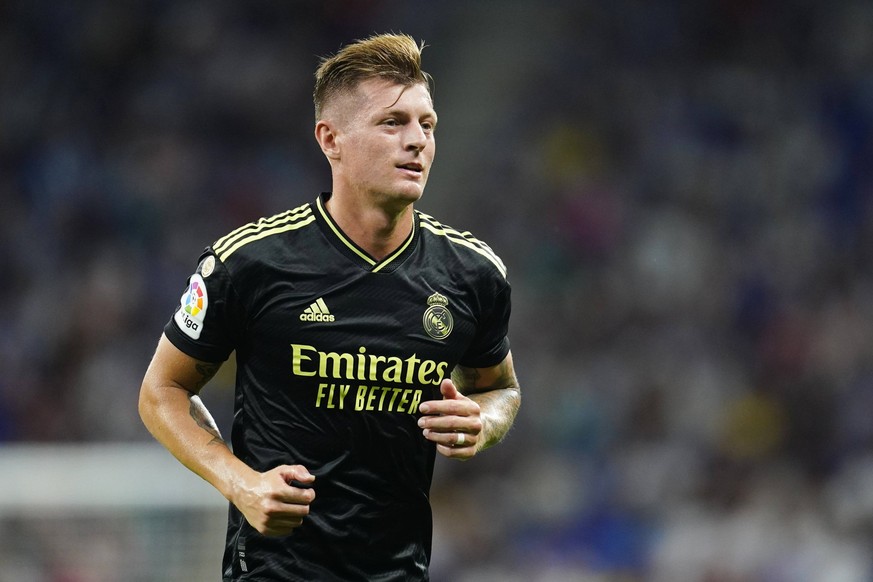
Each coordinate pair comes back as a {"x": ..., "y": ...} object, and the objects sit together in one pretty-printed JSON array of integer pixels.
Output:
[{"x": 416, "y": 138}]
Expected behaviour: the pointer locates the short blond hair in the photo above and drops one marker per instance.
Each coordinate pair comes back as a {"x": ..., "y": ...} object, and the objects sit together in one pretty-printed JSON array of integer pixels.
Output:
[{"x": 394, "y": 57}]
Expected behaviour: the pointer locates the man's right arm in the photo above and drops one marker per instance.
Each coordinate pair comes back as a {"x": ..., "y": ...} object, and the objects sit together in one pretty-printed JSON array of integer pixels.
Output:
[{"x": 172, "y": 411}]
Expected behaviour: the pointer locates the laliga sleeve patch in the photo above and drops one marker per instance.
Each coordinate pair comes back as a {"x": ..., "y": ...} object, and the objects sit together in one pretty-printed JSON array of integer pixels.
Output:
[{"x": 192, "y": 311}]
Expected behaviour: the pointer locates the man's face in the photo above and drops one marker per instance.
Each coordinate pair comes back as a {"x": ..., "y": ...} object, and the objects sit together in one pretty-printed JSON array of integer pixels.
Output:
[{"x": 386, "y": 140}]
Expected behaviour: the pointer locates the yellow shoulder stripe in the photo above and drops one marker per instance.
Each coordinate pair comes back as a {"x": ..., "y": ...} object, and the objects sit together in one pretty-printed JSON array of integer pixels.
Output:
[
  {"x": 287, "y": 221},
  {"x": 464, "y": 239},
  {"x": 261, "y": 224},
  {"x": 466, "y": 234}
]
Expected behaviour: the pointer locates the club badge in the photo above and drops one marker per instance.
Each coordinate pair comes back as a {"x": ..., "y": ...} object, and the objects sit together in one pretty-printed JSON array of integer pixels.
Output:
[{"x": 437, "y": 318}]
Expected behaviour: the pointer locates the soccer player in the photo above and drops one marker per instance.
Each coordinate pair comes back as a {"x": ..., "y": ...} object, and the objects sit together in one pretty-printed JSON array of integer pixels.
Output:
[{"x": 369, "y": 337}]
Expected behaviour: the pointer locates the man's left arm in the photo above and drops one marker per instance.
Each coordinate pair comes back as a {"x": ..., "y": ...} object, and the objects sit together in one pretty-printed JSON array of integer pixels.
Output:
[{"x": 477, "y": 410}]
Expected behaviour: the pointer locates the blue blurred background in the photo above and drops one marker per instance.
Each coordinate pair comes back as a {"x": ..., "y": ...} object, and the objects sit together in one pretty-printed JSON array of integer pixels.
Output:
[{"x": 681, "y": 191}]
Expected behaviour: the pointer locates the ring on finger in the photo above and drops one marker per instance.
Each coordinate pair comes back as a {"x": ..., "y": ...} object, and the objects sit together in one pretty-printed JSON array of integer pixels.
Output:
[{"x": 462, "y": 438}]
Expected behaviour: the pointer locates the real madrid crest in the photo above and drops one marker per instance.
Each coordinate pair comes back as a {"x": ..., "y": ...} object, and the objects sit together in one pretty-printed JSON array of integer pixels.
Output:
[{"x": 437, "y": 318}]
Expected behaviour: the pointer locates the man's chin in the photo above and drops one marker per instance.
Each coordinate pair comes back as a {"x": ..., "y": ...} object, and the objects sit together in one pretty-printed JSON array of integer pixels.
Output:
[
  {"x": 399, "y": 196},
  {"x": 408, "y": 195}
]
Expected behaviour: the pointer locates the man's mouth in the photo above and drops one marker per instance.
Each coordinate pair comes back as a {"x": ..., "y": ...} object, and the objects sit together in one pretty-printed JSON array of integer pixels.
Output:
[{"x": 412, "y": 166}]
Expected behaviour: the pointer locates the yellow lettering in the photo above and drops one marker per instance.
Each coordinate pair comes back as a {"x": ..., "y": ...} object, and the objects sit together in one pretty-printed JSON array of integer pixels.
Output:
[
  {"x": 318, "y": 398},
  {"x": 297, "y": 359},
  {"x": 364, "y": 366},
  {"x": 441, "y": 372},
  {"x": 403, "y": 400},
  {"x": 416, "y": 400},
  {"x": 371, "y": 397},
  {"x": 394, "y": 393},
  {"x": 366, "y": 398},
  {"x": 374, "y": 361},
  {"x": 394, "y": 371},
  {"x": 412, "y": 361},
  {"x": 427, "y": 366},
  {"x": 385, "y": 390},
  {"x": 344, "y": 389},
  {"x": 362, "y": 363},
  {"x": 336, "y": 360}
]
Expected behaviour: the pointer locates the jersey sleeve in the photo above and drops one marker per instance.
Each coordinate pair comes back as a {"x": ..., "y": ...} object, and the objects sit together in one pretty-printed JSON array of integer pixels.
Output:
[
  {"x": 206, "y": 323},
  {"x": 491, "y": 342}
]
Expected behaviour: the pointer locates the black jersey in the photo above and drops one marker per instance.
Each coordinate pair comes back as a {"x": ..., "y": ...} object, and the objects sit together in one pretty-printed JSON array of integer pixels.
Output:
[{"x": 335, "y": 351}]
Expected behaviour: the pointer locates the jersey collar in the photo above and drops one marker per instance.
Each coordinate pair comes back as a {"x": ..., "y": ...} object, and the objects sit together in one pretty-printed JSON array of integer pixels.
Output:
[{"x": 358, "y": 255}]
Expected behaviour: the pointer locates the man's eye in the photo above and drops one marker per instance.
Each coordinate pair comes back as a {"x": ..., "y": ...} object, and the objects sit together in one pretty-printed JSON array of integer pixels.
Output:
[{"x": 390, "y": 122}]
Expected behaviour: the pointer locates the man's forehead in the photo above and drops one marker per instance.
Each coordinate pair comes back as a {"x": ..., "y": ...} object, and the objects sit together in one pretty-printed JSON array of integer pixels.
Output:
[
  {"x": 372, "y": 96},
  {"x": 384, "y": 93}
]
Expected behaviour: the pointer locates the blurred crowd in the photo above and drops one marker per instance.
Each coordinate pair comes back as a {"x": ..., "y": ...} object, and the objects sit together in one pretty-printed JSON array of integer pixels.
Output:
[{"x": 681, "y": 192}]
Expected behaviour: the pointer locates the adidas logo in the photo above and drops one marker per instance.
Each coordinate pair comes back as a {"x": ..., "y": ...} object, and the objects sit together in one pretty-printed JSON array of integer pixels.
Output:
[{"x": 318, "y": 311}]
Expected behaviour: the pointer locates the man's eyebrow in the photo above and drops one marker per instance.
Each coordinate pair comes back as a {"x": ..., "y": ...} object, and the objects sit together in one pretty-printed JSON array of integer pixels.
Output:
[{"x": 390, "y": 110}]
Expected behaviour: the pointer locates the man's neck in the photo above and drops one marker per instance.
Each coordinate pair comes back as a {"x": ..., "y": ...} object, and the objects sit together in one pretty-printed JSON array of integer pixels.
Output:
[{"x": 377, "y": 230}]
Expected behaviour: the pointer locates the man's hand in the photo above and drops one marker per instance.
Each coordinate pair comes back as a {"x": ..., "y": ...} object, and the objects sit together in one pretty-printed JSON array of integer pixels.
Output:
[
  {"x": 271, "y": 503},
  {"x": 453, "y": 423}
]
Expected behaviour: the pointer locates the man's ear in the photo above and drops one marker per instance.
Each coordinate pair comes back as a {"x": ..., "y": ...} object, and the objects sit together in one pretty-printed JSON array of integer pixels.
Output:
[{"x": 326, "y": 136}]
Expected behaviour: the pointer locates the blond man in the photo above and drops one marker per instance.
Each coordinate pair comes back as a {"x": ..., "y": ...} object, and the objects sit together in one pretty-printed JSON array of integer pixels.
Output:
[{"x": 368, "y": 338}]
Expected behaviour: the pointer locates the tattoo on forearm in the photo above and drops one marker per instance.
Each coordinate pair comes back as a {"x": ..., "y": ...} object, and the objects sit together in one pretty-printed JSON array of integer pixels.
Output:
[
  {"x": 204, "y": 420},
  {"x": 499, "y": 399},
  {"x": 470, "y": 379},
  {"x": 206, "y": 371},
  {"x": 465, "y": 378}
]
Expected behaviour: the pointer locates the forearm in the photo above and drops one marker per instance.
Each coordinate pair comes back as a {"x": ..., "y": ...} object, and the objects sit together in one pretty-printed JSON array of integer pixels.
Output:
[
  {"x": 498, "y": 410},
  {"x": 269, "y": 501},
  {"x": 182, "y": 424},
  {"x": 176, "y": 417},
  {"x": 497, "y": 392}
]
